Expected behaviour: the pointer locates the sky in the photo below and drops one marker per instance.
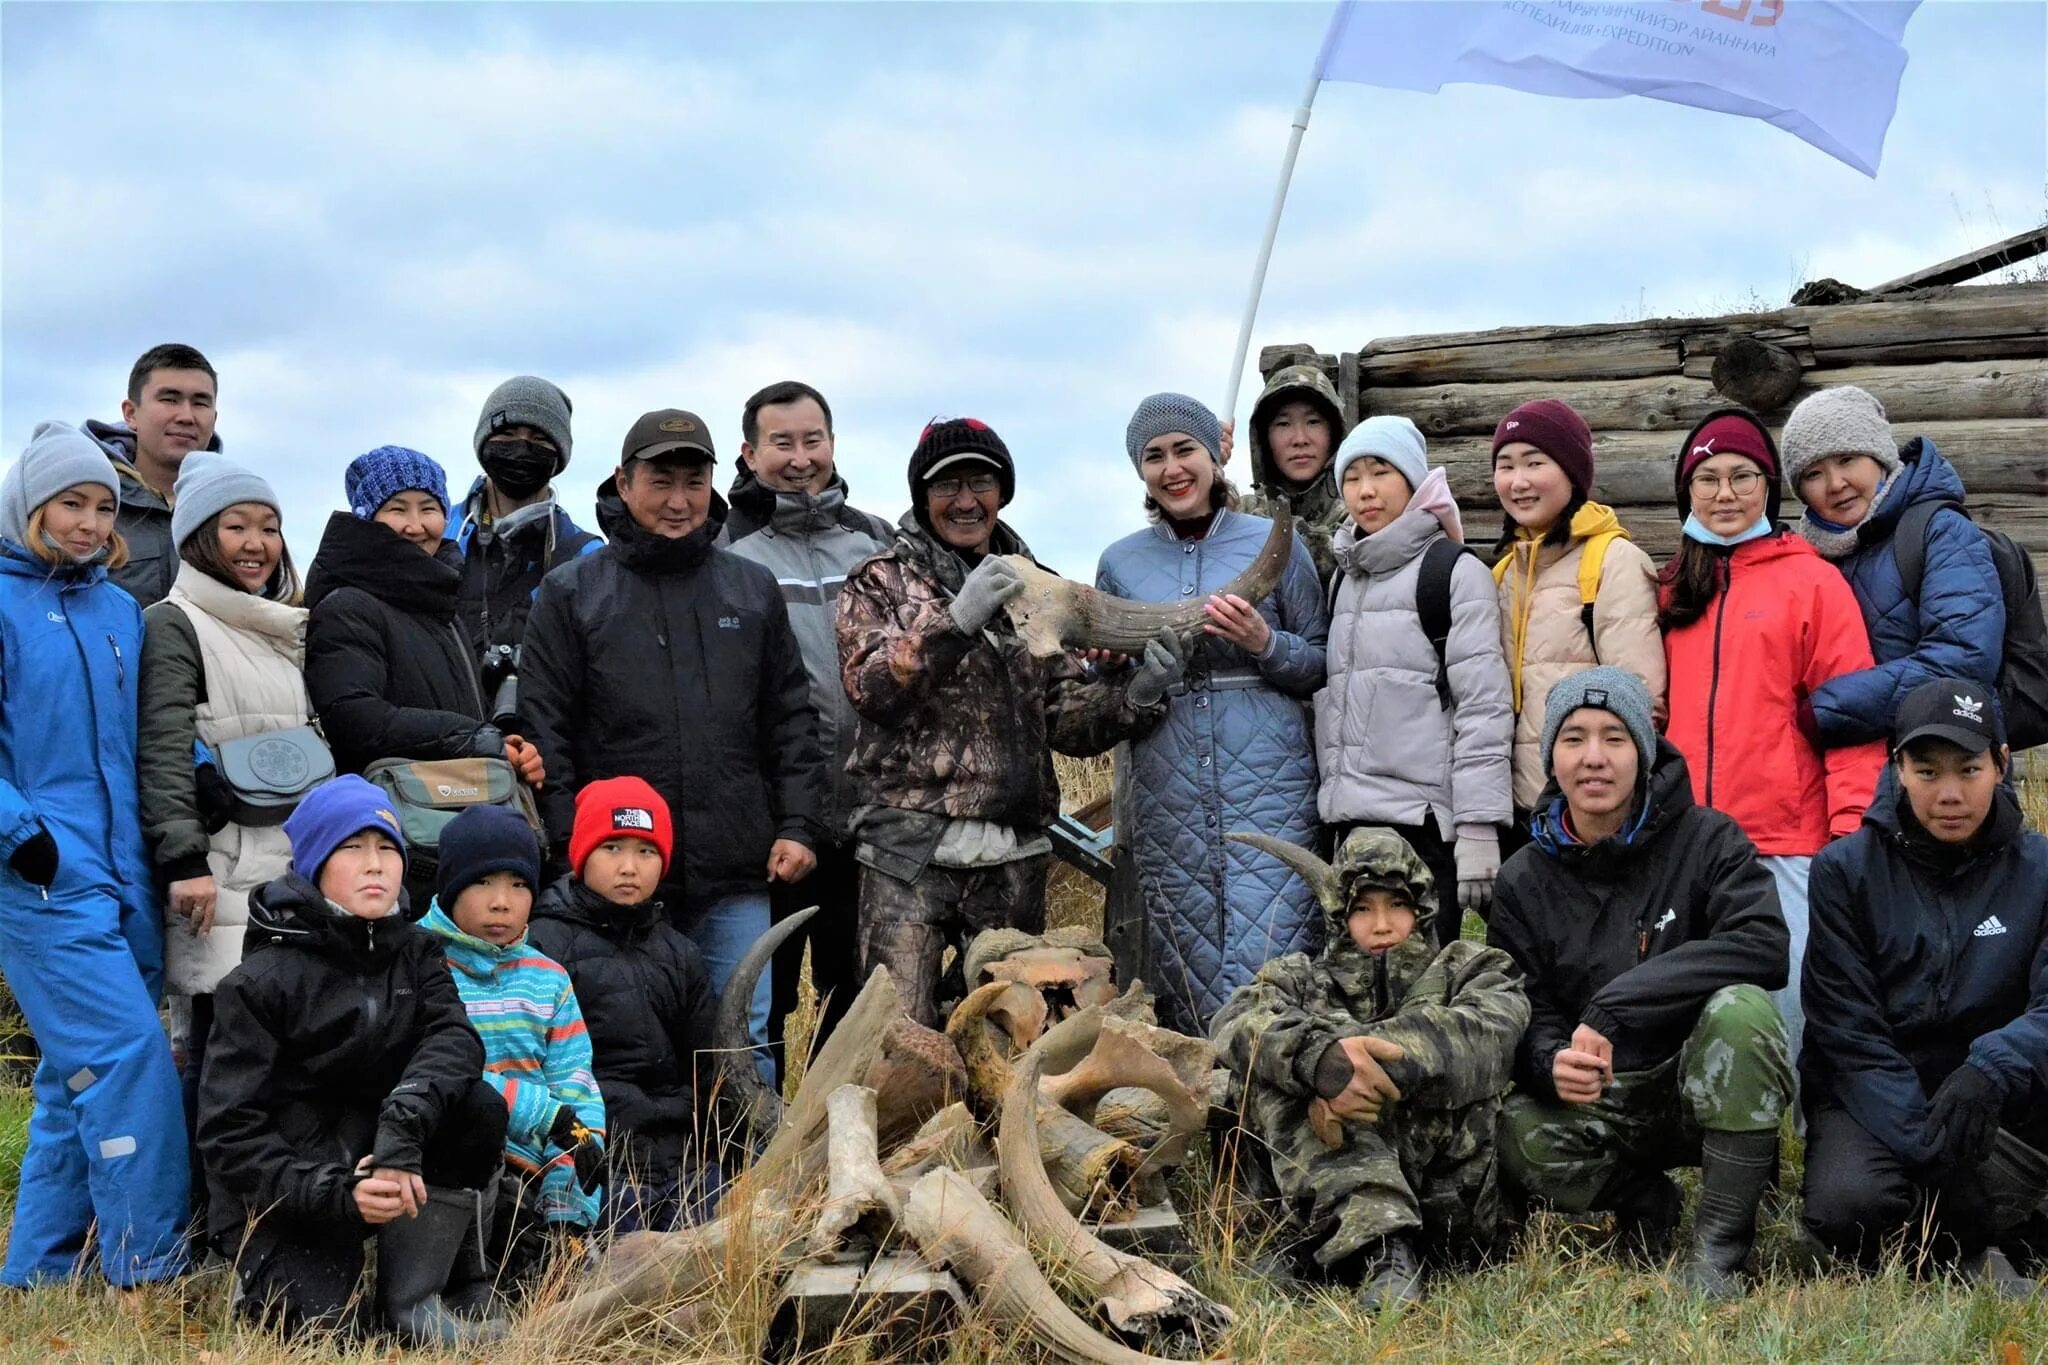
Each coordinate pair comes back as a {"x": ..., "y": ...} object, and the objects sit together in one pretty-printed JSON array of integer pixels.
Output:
[{"x": 1036, "y": 214}]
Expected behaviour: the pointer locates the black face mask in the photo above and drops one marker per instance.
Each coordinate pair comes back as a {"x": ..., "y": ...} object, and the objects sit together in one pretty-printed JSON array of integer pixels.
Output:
[{"x": 518, "y": 468}]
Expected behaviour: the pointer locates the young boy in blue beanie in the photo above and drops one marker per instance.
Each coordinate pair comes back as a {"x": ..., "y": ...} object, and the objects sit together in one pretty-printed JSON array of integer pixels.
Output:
[
  {"x": 341, "y": 1093},
  {"x": 536, "y": 1048}
]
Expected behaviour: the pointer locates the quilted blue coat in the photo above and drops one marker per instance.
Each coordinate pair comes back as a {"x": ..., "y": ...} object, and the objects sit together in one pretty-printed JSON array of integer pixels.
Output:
[
  {"x": 1235, "y": 752},
  {"x": 1955, "y": 630}
]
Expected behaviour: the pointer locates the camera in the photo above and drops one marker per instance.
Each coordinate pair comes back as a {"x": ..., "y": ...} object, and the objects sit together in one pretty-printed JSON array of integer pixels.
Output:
[{"x": 501, "y": 681}]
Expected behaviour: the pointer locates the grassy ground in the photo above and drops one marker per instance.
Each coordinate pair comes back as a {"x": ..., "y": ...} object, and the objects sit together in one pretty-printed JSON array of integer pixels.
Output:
[{"x": 1560, "y": 1298}]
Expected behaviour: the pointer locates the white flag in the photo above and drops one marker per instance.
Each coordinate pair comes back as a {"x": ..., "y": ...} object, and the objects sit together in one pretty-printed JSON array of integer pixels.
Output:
[{"x": 1826, "y": 71}]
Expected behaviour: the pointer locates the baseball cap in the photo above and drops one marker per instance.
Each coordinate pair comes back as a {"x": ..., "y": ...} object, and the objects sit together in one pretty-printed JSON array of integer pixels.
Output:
[
  {"x": 668, "y": 432},
  {"x": 1962, "y": 712}
]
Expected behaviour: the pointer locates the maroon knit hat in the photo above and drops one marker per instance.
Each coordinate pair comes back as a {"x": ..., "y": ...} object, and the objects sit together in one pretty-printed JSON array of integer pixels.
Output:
[
  {"x": 1729, "y": 431},
  {"x": 1555, "y": 428}
]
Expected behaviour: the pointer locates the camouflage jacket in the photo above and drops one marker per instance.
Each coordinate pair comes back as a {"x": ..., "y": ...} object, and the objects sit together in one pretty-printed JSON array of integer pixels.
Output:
[
  {"x": 1318, "y": 507},
  {"x": 954, "y": 726},
  {"x": 1458, "y": 1013}
]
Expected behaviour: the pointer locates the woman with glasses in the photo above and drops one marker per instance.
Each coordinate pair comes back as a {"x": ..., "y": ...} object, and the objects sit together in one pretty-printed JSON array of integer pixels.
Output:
[{"x": 1755, "y": 621}]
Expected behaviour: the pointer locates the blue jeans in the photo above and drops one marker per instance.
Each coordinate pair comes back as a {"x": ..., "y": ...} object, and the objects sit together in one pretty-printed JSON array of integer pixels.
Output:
[
  {"x": 1790, "y": 874},
  {"x": 724, "y": 932}
]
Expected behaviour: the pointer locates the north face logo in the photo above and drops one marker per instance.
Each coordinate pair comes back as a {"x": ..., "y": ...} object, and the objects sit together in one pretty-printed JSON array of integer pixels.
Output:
[
  {"x": 632, "y": 817},
  {"x": 1990, "y": 928},
  {"x": 1970, "y": 709}
]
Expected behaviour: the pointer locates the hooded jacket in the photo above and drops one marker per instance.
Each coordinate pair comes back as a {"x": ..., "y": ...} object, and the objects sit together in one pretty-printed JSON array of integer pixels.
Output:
[
  {"x": 536, "y": 1056},
  {"x": 1741, "y": 680},
  {"x": 810, "y": 543},
  {"x": 1921, "y": 958},
  {"x": 1456, "y": 1012},
  {"x": 1388, "y": 752},
  {"x": 1630, "y": 935},
  {"x": 503, "y": 562},
  {"x": 673, "y": 661},
  {"x": 144, "y": 520},
  {"x": 389, "y": 669},
  {"x": 335, "y": 1036},
  {"x": 955, "y": 726},
  {"x": 1543, "y": 627},
  {"x": 1955, "y": 628},
  {"x": 1318, "y": 508},
  {"x": 651, "y": 1014}
]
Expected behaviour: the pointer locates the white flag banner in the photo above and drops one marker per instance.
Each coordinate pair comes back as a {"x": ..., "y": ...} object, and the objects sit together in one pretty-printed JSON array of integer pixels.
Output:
[{"x": 1826, "y": 71}]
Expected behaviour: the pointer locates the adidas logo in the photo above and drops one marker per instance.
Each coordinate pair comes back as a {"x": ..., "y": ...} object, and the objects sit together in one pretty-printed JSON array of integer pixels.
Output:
[
  {"x": 1990, "y": 928},
  {"x": 1970, "y": 709}
]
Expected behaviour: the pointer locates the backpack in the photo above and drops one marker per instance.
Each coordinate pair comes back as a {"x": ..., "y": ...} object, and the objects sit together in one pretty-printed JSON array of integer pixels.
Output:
[{"x": 2023, "y": 665}]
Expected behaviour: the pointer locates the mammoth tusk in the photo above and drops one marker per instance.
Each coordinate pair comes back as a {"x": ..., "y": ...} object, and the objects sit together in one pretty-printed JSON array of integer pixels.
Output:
[
  {"x": 730, "y": 1036},
  {"x": 1053, "y": 614}
]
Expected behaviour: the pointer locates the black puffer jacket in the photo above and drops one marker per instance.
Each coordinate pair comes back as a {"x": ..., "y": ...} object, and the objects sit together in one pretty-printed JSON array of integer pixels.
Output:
[
  {"x": 1632, "y": 934},
  {"x": 336, "y": 1034},
  {"x": 650, "y": 1009},
  {"x": 1923, "y": 957},
  {"x": 673, "y": 661},
  {"x": 388, "y": 667}
]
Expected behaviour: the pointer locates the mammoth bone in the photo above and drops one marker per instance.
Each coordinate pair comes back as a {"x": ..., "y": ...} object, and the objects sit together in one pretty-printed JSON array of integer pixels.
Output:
[{"x": 1054, "y": 614}]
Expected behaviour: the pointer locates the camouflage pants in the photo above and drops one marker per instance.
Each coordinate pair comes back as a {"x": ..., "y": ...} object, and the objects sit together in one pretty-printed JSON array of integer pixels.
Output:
[
  {"x": 1733, "y": 1075},
  {"x": 907, "y": 926}
]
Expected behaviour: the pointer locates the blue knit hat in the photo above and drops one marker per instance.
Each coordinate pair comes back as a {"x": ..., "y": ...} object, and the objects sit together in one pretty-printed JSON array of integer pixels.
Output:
[
  {"x": 382, "y": 474},
  {"x": 330, "y": 814},
  {"x": 1164, "y": 412},
  {"x": 1605, "y": 688},
  {"x": 480, "y": 841}
]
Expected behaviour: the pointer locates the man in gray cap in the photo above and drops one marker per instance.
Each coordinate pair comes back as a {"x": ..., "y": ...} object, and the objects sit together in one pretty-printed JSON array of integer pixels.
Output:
[{"x": 511, "y": 531}]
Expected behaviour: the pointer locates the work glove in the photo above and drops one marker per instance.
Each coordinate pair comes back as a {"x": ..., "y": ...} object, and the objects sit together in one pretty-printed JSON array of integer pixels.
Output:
[
  {"x": 1478, "y": 857},
  {"x": 1164, "y": 662},
  {"x": 1962, "y": 1118},
  {"x": 568, "y": 1133},
  {"x": 35, "y": 859},
  {"x": 993, "y": 582}
]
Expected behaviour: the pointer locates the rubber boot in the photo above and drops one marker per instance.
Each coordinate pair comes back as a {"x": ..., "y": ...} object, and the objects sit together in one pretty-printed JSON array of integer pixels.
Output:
[
  {"x": 1735, "y": 1169},
  {"x": 414, "y": 1259},
  {"x": 1647, "y": 1207},
  {"x": 1993, "y": 1269},
  {"x": 1393, "y": 1275},
  {"x": 469, "y": 1290}
]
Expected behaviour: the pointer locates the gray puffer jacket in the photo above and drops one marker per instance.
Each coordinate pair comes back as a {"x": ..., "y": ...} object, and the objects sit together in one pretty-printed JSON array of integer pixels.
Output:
[{"x": 1388, "y": 752}]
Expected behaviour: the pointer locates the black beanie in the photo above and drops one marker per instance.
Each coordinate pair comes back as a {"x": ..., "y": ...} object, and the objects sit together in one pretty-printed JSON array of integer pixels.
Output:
[
  {"x": 941, "y": 440},
  {"x": 480, "y": 841}
]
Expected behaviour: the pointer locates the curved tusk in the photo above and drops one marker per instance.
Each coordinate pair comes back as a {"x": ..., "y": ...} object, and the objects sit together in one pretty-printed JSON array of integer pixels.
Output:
[{"x": 730, "y": 1036}]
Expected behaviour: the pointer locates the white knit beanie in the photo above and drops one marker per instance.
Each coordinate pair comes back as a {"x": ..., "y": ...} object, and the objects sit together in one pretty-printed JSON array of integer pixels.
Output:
[{"x": 1396, "y": 440}]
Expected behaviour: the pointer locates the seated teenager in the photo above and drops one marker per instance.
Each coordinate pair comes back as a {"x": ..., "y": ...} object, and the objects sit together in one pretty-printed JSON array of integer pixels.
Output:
[
  {"x": 341, "y": 1093},
  {"x": 647, "y": 1001},
  {"x": 536, "y": 1049},
  {"x": 1926, "y": 991},
  {"x": 1649, "y": 937},
  {"x": 1373, "y": 1071}
]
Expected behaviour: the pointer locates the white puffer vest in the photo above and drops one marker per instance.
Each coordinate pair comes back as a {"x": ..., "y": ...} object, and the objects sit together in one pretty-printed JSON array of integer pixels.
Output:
[{"x": 253, "y": 652}]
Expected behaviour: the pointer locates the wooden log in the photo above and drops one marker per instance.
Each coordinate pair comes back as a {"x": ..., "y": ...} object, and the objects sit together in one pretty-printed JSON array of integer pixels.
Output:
[
  {"x": 1971, "y": 264},
  {"x": 1975, "y": 390},
  {"x": 1757, "y": 374}
]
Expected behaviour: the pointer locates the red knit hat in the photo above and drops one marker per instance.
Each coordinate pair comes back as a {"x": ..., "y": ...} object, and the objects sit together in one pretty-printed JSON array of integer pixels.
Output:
[
  {"x": 1556, "y": 429},
  {"x": 620, "y": 808},
  {"x": 1731, "y": 433}
]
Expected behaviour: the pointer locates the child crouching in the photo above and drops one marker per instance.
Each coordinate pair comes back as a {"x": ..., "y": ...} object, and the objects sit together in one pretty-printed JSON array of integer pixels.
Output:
[
  {"x": 340, "y": 1094},
  {"x": 536, "y": 1050},
  {"x": 1373, "y": 1072}
]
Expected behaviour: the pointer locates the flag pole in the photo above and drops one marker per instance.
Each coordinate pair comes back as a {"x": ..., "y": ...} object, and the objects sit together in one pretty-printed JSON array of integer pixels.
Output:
[{"x": 1251, "y": 306}]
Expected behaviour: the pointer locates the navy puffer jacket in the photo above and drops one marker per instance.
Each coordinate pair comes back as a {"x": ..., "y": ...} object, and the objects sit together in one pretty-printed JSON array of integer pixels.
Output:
[{"x": 1956, "y": 628}]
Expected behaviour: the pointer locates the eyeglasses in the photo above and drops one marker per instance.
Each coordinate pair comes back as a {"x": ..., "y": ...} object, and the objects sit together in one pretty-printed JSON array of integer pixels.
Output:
[
  {"x": 1741, "y": 483},
  {"x": 945, "y": 490}
]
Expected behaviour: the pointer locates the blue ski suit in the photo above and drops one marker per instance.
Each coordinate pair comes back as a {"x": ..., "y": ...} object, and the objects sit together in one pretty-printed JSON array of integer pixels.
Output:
[{"x": 85, "y": 958}]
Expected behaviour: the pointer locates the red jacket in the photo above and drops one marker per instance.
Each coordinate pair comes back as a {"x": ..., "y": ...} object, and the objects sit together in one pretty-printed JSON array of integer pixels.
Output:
[{"x": 1785, "y": 622}]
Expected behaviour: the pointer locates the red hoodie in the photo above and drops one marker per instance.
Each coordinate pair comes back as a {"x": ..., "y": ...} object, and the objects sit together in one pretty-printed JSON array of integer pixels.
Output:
[{"x": 1785, "y": 622}]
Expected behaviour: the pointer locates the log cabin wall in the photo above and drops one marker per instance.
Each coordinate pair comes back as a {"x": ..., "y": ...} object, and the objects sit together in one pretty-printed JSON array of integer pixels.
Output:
[{"x": 1965, "y": 366}]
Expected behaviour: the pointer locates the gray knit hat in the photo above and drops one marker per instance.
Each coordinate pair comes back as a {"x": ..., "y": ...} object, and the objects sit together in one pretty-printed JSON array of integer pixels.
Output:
[
  {"x": 1164, "y": 412},
  {"x": 524, "y": 400},
  {"x": 1838, "y": 421},
  {"x": 59, "y": 456},
  {"x": 1609, "y": 689},
  {"x": 208, "y": 484}
]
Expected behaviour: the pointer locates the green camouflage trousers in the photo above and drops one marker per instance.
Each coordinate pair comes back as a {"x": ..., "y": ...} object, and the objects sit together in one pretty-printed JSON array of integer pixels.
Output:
[
  {"x": 1734, "y": 1075},
  {"x": 1426, "y": 1171}
]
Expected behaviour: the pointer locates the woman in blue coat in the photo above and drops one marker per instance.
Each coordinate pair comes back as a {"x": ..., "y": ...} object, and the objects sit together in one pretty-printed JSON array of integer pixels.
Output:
[
  {"x": 1235, "y": 750},
  {"x": 1856, "y": 482},
  {"x": 80, "y": 938}
]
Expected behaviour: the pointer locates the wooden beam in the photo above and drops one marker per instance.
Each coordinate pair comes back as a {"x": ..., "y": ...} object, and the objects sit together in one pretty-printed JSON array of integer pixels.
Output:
[{"x": 1971, "y": 264}]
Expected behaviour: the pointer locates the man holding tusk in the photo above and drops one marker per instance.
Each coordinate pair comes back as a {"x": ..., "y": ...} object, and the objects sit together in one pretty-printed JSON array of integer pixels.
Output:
[{"x": 952, "y": 751}]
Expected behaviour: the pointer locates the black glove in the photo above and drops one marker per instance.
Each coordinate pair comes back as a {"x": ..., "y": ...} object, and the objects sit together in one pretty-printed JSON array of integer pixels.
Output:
[
  {"x": 216, "y": 798},
  {"x": 583, "y": 1149},
  {"x": 1962, "y": 1118},
  {"x": 487, "y": 742},
  {"x": 35, "y": 859}
]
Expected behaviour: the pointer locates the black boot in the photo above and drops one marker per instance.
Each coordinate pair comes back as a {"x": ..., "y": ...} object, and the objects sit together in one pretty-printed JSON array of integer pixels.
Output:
[
  {"x": 1735, "y": 1169},
  {"x": 1991, "y": 1268},
  {"x": 469, "y": 1290},
  {"x": 415, "y": 1259},
  {"x": 1393, "y": 1274},
  {"x": 1647, "y": 1206}
]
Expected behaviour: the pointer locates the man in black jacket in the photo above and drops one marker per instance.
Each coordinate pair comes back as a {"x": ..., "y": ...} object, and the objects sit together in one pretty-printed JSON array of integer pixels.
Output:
[
  {"x": 1926, "y": 992},
  {"x": 666, "y": 658},
  {"x": 1650, "y": 935}
]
